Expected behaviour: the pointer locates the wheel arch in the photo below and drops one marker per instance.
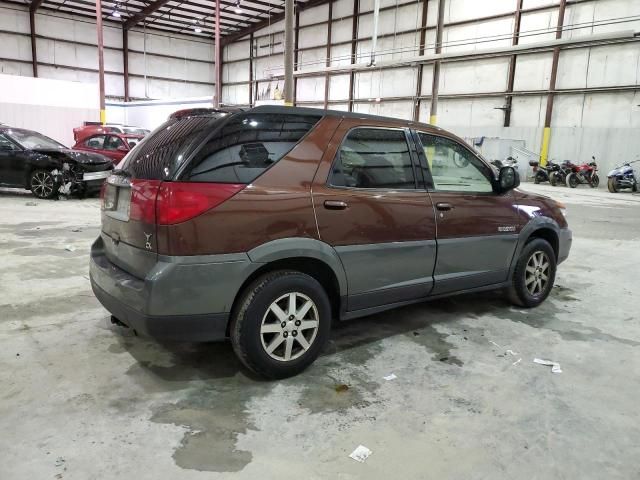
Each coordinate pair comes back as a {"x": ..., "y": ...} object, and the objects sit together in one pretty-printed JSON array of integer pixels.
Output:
[
  {"x": 538, "y": 227},
  {"x": 309, "y": 256}
]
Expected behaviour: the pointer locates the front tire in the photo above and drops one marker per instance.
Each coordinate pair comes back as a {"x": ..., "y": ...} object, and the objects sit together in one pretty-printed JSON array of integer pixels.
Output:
[
  {"x": 43, "y": 185},
  {"x": 553, "y": 179},
  {"x": 612, "y": 185},
  {"x": 534, "y": 274},
  {"x": 572, "y": 180},
  {"x": 281, "y": 323},
  {"x": 595, "y": 181}
]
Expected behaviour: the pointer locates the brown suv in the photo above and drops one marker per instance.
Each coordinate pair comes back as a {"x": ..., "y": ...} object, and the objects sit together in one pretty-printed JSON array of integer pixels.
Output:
[{"x": 264, "y": 225}]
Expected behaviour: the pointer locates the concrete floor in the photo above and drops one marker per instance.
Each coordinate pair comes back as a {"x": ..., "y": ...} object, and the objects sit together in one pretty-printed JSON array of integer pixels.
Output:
[{"x": 83, "y": 399}]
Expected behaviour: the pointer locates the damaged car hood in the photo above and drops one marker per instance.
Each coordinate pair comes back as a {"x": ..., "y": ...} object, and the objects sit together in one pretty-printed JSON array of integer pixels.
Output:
[{"x": 84, "y": 158}]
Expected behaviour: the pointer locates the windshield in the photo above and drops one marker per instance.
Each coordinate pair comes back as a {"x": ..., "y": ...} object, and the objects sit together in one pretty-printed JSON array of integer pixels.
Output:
[
  {"x": 34, "y": 140},
  {"x": 135, "y": 131}
]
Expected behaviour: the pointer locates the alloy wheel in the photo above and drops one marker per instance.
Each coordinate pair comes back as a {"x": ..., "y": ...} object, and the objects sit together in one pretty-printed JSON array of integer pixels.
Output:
[
  {"x": 537, "y": 273},
  {"x": 289, "y": 327},
  {"x": 42, "y": 184}
]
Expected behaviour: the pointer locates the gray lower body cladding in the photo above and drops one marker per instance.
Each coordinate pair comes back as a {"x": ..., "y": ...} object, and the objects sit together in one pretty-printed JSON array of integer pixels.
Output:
[{"x": 179, "y": 298}]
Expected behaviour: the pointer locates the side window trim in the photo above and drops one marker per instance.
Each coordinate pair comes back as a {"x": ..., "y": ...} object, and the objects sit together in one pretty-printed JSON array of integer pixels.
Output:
[
  {"x": 414, "y": 167},
  {"x": 16, "y": 147},
  {"x": 485, "y": 170}
]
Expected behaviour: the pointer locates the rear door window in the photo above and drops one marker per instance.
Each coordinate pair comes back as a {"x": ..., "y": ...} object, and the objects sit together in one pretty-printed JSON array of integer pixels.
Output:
[
  {"x": 113, "y": 143},
  {"x": 96, "y": 142},
  {"x": 374, "y": 158},
  {"x": 247, "y": 145}
]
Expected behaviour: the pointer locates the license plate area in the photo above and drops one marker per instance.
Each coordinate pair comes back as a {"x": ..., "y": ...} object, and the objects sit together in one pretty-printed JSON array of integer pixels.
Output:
[{"x": 117, "y": 202}]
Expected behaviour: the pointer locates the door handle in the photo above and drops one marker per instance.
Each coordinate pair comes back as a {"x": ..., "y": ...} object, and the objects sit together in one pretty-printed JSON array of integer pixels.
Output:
[
  {"x": 335, "y": 205},
  {"x": 443, "y": 207}
]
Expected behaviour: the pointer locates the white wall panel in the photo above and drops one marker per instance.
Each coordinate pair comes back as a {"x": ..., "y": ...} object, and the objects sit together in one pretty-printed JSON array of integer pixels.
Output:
[
  {"x": 538, "y": 27},
  {"x": 427, "y": 79},
  {"x": 385, "y": 83},
  {"x": 234, "y": 72},
  {"x": 487, "y": 75},
  {"x": 310, "y": 89},
  {"x": 312, "y": 59},
  {"x": 339, "y": 87},
  {"x": 342, "y": 8},
  {"x": 533, "y": 71},
  {"x": 314, "y": 15},
  {"x": 470, "y": 112},
  {"x": 340, "y": 55},
  {"x": 341, "y": 30},
  {"x": 16, "y": 47},
  {"x": 236, "y": 51},
  {"x": 459, "y": 10},
  {"x": 528, "y": 111},
  {"x": 614, "y": 65},
  {"x": 477, "y": 36},
  {"x": 235, "y": 94}
]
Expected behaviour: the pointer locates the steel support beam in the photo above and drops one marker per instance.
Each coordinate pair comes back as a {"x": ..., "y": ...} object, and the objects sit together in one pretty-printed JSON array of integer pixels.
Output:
[
  {"x": 512, "y": 64},
  {"x": 423, "y": 38},
  {"x": 125, "y": 62},
  {"x": 435, "y": 86},
  {"x": 354, "y": 51},
  {"x": 288, "y": 52},
  {"x": 218, "y": 58},
  {"x": 328, "y": 61},
  {"x": 34, "y": 53},
  {"x": 546, "y": 133},
  {"x": 100, "y": 59},
  {"x": 296, "y": 37},
  {"x": 144, "y": 13},
  {"x": 251, "y": 69}
]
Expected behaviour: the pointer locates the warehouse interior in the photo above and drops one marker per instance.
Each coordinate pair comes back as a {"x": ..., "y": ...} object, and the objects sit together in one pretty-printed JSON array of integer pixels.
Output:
[{"x": 452, "y": 387}]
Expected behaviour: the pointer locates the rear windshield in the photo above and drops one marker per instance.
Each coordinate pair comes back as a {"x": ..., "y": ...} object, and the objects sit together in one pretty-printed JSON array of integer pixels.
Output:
[
  {"x": 160, "y": 153},
  {"x": 246, "y": 145}
]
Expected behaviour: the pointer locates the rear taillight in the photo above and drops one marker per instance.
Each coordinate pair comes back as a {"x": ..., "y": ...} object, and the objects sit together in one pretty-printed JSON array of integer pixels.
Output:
[
  {"x": 182, "y": 201},
  {"x": 143, "y": 200}
]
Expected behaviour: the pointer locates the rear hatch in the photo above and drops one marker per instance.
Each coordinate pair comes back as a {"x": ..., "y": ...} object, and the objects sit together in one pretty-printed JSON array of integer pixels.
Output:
[{"x": 129, "y": 222}]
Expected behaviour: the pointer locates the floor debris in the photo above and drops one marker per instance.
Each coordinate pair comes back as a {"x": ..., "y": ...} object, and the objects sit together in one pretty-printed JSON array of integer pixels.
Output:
[
  {"x": 70, "y": 248},
  {"x": 391, "y": 376},
  {"x": 60, "y": 462},
  {"x": 555, "y": 366},
  {"x": 31, "y": 204},
  {"x": 517, "y": 362},
  {"x": 342, "y": 388},
  {"x": 360, "y": 454}
]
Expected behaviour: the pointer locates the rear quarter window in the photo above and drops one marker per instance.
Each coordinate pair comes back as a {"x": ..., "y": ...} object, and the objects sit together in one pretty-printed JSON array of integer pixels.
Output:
[{"x": 246, "y": 146}]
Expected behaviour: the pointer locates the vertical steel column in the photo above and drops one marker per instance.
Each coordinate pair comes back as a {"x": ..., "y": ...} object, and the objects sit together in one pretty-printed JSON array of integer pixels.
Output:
[
  {"x": 328, "y": 61},
  {"x": 423, "y": 39},
  {"x": 436, "y": 66},
  {"x": 34, "y": 54},
  {"x": 125, "y": 61},
  {"x": 512, "y": 64},
  {"x": 546, "y": 133},
  {"x": 295, "y": 55},
  {"x": 354, "y": 43},
  {"x": 218, "y": 58},
  {"x": 251, "y": 69},
  {"x": 100, "y": 60},
  {"x": 288, "y": 52}
]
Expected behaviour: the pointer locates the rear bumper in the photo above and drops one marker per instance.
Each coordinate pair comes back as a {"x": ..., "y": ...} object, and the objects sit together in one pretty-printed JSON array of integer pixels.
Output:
[
  {"x": 179, "y": 298},
  {"x": 187, "y": 328},
  {"x": 565, "y": 238}
]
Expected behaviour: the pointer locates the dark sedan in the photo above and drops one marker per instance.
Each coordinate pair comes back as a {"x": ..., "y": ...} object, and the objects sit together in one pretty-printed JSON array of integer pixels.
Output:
[{"x": 38, "y": 163}]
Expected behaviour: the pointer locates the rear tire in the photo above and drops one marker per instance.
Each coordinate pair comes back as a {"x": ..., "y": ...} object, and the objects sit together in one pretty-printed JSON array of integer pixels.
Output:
[
  {"x": 612, "y": 185},
  {"x": 553, "y": 179},
  {"x": 572, "y": 180},
  {"x": 281, "y": 323},
  {"x": 43, "y": 184},
  {"x": 534, "y": 274}
]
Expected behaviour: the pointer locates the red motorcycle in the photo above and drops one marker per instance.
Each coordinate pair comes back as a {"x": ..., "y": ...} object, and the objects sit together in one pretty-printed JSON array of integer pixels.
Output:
[{"x": 585, "y": 173}]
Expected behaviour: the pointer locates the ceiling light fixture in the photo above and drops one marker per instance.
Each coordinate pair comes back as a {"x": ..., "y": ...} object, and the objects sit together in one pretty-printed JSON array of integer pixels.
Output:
[
  {"x": 116, "y": 14},
  {"x": 197, "y": 29},
  {"x": 238, "y": 8}
]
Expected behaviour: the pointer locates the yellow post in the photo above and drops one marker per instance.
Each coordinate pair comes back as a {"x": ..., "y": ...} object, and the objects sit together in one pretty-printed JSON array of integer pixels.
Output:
[
  {"x": 103, "y": 116},
  {"x": 544, "y": 150},
  {"x": 432, "y": 119}
]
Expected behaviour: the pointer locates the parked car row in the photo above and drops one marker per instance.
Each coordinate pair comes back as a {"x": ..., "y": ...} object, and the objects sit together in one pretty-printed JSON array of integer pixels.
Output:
[{"x": 44, "y": 166}]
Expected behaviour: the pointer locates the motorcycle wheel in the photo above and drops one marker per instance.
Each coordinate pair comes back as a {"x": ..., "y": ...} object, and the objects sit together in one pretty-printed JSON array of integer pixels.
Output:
[
  {"x": 536, "y": 179},
  {"x": 572, "y": 180},
  {"x": 553, "y": 179},
  {"x": 635, "y": 187},
  {"x": 612, "y": 185},
  {"x": 595, "y": 181}
]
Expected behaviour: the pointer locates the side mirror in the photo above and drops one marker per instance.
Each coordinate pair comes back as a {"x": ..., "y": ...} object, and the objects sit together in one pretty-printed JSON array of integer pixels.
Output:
[
  {"x": 593, "y": 158},
  {"x": 508, "y": 179}
]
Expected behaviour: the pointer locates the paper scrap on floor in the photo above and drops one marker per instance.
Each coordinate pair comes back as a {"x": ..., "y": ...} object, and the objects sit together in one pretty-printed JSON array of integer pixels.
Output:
[
  {"x": 361, "y": 453},
  {"x": 555, "y": 366},
  {"x": 391, "y": 376}
]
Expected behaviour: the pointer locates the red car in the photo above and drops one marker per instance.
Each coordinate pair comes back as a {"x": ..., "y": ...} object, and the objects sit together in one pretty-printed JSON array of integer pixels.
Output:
[{"x": 112, "y": 145}]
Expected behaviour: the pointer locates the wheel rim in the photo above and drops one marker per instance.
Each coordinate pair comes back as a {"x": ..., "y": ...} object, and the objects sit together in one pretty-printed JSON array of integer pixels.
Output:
[
  {"x": 42, "y": 184},
  {"x": 289, "y": 327},
  {"x": 537, "y": 273}
]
